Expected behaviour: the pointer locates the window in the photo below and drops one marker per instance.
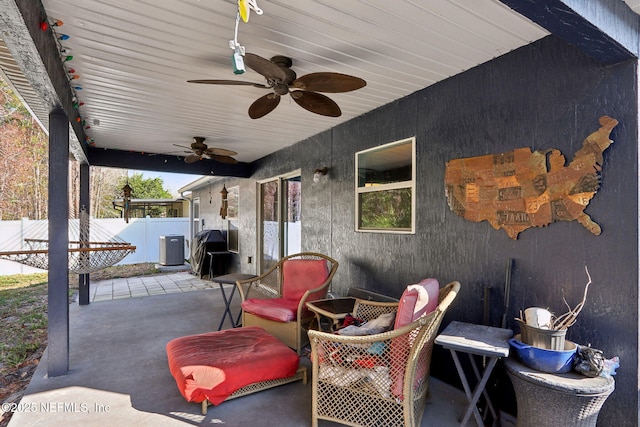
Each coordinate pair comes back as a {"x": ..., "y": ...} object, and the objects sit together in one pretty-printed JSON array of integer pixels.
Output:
[
  {"x": 233, "y": 197},
  {"x": 233, "y": 242},
  {"x": 233, "y": 200},
  {"x": 385, "y": 188},
  {"x": 196, "y": 215}
]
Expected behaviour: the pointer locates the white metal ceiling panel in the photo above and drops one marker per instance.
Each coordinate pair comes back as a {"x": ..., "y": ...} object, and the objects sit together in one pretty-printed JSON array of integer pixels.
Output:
[{"x": 135, "y": 56}]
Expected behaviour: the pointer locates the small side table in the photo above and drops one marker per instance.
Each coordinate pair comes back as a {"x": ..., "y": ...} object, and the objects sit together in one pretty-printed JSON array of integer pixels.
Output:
[
  {"x": 480, "y": 341},
  {"x": 334, "y": 309},
  {"x": 230, "y": 279},
  {"x": 557, "y": 399}
]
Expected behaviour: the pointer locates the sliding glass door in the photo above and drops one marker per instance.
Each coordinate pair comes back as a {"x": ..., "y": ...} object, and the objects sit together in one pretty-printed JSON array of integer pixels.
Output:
[
  {"x": 280, "y": 221},
  {"x": 269, "y": 224},
  {"x": 291, "y": 219}
]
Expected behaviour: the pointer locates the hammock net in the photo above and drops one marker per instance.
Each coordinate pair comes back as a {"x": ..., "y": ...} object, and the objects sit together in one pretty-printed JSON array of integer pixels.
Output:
[{"x": 90, "y": 248}]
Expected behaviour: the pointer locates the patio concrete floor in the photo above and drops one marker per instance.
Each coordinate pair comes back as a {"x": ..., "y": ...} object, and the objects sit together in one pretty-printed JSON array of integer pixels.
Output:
[
  {"x": 119, "y": 373},
  {"x": 144, "y": 286}
]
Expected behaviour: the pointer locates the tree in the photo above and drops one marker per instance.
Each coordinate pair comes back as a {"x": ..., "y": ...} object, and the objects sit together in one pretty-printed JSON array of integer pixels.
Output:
[
  {"x": 24, "y": 167},
  {"x": 151, "y": 188},
  {"x": 103, "y": 190},
  {"x": 24, "y": 171}
]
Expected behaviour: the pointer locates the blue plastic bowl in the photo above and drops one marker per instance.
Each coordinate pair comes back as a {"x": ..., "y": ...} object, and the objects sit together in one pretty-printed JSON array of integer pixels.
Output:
[{"x": 550, "y": 361}]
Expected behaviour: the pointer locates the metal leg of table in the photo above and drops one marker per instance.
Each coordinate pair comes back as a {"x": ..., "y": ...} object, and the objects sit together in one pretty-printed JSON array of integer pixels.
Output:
[
  {"x": 227, "y": 307},
  {"x": 473, "y": 397},
  {"x": 484, "y": 390},
  {"x": 238, "y": 319}
]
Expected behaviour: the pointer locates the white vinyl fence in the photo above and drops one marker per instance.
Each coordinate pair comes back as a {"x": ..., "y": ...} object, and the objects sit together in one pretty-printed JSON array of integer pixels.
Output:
[{"x": 143, "y": 233}]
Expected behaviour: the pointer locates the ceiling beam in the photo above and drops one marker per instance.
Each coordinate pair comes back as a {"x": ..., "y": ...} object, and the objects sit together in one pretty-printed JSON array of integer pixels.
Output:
[
  {"x": 166, "y": 163},
  {"x": 36, "y": 53},
  {"x": 606, "y": 30}
]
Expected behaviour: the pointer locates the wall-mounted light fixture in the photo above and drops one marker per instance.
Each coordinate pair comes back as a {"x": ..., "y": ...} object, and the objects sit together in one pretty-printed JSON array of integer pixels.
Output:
[
  {"x": 223, "y": 206},
  {"x": 318, "y": 173}
]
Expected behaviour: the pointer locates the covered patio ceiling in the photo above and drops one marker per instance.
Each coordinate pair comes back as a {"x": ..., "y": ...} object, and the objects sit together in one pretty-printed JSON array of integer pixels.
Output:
[{"x": 134, "y": 57}]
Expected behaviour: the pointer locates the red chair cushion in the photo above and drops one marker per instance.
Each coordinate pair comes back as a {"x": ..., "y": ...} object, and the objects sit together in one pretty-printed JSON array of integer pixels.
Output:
[
  {"x": 214, "y": 365},
  {"x": 300, "y": 275},
  {"x": 278, "y": 309}
]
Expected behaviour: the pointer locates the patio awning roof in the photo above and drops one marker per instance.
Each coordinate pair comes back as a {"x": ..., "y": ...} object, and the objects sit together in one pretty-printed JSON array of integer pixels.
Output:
[{"x": 133, "y": 60}]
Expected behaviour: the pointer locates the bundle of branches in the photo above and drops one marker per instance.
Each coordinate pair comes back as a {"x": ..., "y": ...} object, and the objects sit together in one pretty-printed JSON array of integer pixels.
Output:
[
  {"x": 569, "y": 318},
  {"x": 566, "y": 320}
]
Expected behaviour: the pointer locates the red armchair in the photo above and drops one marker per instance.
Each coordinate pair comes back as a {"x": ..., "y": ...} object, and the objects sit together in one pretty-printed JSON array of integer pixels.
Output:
[{"x": 276, "y": 300}]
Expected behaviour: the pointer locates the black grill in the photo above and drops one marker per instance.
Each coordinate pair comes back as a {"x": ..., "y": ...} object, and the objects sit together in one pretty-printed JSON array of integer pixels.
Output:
[{"x": 207, "y": 244}]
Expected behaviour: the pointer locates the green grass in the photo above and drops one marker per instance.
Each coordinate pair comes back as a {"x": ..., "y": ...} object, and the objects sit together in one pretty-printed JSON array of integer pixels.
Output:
[
  {"x": 23, "y": 317},
  {"x": 21, "y": 280},
  {"x": 23, "y": 310}
]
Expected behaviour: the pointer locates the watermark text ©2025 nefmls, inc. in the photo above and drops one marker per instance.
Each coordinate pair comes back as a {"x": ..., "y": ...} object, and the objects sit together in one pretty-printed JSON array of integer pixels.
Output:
[{"x": 53, "y": 407}]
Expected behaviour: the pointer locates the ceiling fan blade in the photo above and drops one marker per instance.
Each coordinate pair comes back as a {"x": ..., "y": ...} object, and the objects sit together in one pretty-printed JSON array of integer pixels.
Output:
[
  {"x": 328, "y": 82},
  {"x": 265, "y": 67},
  {"x": 223, "y": 159},
  {"x": 182, "y": 146},
  {"x": 316, "y": 103},
  {"x": 229, "y": 82},
  {"x": 213, "y": 151},
  {"x": 264, "y": 105},
  {"x": 192, "y": 158}
]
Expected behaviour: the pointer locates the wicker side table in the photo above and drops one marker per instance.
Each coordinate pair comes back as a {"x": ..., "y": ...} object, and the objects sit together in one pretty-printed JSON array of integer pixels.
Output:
[
  {"x": 557, "y": 399},
  {"x": 334, "y": 309}
]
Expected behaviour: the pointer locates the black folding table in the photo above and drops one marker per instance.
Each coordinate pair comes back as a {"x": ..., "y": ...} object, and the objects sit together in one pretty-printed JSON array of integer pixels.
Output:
[{"x": 230, "y": 279}]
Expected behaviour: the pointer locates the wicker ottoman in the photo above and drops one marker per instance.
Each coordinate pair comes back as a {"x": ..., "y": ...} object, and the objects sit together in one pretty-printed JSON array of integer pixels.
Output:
[
  {"x": 557, "y": 399},
  {"x": 218, "y": 366}
]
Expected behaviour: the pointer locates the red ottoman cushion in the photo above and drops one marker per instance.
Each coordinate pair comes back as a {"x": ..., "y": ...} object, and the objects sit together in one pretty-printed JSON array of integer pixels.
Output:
[{"x": 213, "y": 365}]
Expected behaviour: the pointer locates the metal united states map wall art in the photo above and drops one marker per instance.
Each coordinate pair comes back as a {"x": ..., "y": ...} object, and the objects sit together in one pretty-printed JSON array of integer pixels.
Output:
[{"x": 520, "y": 189}]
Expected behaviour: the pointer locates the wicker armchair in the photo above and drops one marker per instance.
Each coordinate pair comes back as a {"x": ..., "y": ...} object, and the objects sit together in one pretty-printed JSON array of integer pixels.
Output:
[
  {"x": 276, "y": 300},
  {"x": 376, "y": 380}
]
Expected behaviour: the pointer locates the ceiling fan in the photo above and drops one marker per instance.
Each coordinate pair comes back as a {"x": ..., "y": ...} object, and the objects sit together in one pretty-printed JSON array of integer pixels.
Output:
[
  {"x": 283, "y": 80},
  {"x": 200, "y": 150}
]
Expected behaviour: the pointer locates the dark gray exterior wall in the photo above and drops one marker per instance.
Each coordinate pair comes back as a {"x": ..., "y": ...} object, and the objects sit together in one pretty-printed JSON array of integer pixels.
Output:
[{"x": 545, "y": 95}]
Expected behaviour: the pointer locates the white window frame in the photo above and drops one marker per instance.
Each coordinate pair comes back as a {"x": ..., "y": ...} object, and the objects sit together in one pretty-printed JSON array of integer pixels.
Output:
[{"x": 411, "y": 184}]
